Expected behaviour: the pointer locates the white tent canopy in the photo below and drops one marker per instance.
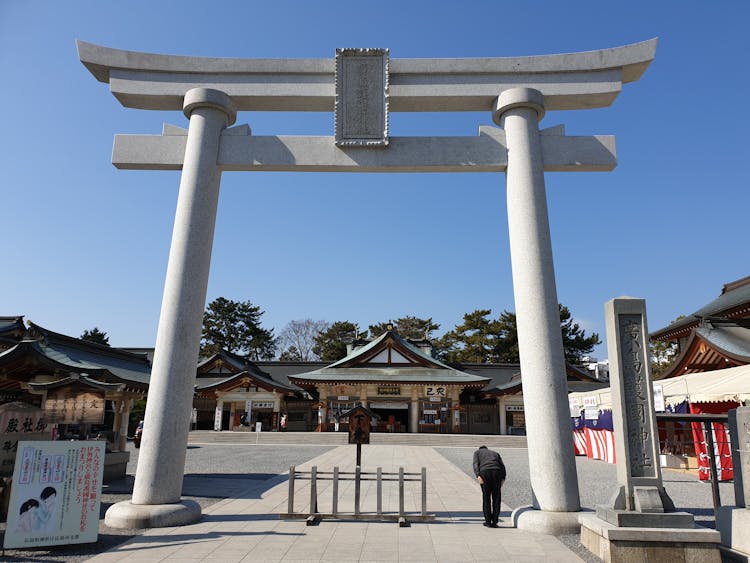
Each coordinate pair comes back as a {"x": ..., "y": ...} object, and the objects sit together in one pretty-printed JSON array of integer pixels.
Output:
[{"x": 731, "y": 384}]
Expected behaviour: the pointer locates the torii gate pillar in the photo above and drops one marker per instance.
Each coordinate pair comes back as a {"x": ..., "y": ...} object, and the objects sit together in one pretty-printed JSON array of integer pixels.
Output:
[
  {"x": 551, "y": 461},
  {"x": 157, "y": 490}
]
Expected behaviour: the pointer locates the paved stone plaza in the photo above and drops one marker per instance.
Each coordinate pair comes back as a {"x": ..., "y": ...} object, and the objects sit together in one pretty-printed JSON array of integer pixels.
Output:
[
  {"x": 245, "y": 527},
  {"x": 253, "y": 478}
]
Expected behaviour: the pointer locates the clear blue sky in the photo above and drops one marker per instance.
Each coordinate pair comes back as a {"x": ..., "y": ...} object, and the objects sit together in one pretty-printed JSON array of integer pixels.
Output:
[{"x": 85, "y": 244}]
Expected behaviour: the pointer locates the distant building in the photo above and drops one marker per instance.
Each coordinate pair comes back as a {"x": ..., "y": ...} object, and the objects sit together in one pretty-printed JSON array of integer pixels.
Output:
[
  {"x": 599, "y": 370},
  {"x": 395, "y": 377}
]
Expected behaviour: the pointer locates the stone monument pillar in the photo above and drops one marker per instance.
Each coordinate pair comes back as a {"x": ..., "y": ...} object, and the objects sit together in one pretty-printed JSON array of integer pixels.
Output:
[
  {"x": 733, "y": 522},
  {"x": 640, "y": 488},
  {"x": 640, "y": 518},
  {"x": 158, "y": 482},
  {"x": 551, "y": 458}
]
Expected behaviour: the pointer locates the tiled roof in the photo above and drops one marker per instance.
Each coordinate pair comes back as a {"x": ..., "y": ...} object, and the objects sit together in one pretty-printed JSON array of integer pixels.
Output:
[
  {"x": 733, "y": 340},
  {"x": 733, "y": 295},
  {"x": 79, "y": 356},
  {"x": 204, "y": 383},
  {"x": 356, "y": 366}
]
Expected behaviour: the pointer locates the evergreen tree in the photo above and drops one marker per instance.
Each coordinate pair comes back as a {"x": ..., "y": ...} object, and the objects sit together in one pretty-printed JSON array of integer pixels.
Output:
[
  {"x": 95, "y": 335},
  {"x": 476, "y": 340},
  {"x": 330, "y": 345},
  {"x": 291, "y": 354},
  {"x": 234, "y": 326},
  {"x": 575, "y": 342},
  {"x": 482, "y": 339}
]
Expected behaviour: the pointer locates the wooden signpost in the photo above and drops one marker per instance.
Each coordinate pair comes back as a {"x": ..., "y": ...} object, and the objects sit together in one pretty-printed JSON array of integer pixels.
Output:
[{"x": 360, "y": 425}]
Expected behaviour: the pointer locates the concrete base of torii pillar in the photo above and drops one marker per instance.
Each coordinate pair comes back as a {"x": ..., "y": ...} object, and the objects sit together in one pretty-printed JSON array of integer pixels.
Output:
[
  {"x": 546, "y": 521},
  {"x": 127, "y": 515}
]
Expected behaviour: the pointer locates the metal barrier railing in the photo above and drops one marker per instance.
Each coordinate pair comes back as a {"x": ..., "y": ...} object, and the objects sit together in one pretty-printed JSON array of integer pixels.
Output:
[
  {"x": 706, "y": 420},
  {"x": 379, "y": 476}
]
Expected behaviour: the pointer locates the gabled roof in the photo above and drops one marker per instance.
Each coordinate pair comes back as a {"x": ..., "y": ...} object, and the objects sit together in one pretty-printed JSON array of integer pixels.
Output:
[
  {"x": 11, "y": 324},
  {"x": 509, "y": 380},
  {"x": 712, "y": 348},
  {"x": 389, "y": 358},
  {"x": 243, "y": 379},
  {"x": 82, "y": 381},
  {"x": 235, "y": 362},
  {"x": 12, "y": 330},
  {"x": 43, "y": 349},
  {"x": 241, "y": 373},
  {"x": 734, "y": 302}
]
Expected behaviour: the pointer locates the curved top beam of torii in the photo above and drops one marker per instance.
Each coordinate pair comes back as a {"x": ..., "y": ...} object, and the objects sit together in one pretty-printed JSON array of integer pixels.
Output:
[{"x": 582, "y": 80}]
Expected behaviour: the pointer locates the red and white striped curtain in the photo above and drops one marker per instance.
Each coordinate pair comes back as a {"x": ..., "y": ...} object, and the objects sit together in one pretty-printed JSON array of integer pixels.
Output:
[
  {"x": 720, "y": 434},
  {"x": 600, "y": 445}
]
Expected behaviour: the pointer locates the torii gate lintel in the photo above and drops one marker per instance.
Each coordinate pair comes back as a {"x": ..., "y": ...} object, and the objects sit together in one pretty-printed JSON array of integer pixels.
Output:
[{"x": 486, "y": 152}]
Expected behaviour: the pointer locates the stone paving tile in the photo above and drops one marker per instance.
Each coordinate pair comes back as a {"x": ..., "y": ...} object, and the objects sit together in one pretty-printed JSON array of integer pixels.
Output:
[{"x": 248, "y": 528}]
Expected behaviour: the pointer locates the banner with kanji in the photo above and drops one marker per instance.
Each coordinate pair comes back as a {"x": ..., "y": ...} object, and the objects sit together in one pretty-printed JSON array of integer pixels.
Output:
[{"x": 56, "y": 494}]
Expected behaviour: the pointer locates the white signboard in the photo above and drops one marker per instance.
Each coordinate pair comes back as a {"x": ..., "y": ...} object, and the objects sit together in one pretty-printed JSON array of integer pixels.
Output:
[
  {"x": 56, "y": 494},
  {"x": 575, "y": 407},
  {"x": 262, "y": 404},
  {"x": 591, "y": 414},
  {"x": 659, "y": 405},
  {"x": 217, "y": 417},
  {"x": 435, "y": 391},
  {"x": 590, "y": 402},
  {"x": 430, "y": 411},
  {"x": 19, "y": 422}
]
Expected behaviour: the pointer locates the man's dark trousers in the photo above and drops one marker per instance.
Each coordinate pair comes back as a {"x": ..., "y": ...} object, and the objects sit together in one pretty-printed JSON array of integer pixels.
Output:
[{"x": 491, "y": 495}]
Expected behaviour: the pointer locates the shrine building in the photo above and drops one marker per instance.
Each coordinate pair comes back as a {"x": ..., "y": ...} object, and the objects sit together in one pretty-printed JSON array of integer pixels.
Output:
[
  {"x": 397, "y": 378},
  {"x": 400, "y": 382}
]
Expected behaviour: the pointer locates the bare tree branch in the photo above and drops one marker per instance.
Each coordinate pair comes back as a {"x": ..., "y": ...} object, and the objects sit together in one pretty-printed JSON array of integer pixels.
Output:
[{"x": 300, "y": 335}]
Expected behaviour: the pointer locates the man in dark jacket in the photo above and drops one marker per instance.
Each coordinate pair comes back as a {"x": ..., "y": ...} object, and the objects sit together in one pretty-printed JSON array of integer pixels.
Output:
[{"x": 490, "y": 472}]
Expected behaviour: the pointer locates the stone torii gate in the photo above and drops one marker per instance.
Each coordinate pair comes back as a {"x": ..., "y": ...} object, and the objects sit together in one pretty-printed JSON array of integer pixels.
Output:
[{"x": 361, "y": 86}]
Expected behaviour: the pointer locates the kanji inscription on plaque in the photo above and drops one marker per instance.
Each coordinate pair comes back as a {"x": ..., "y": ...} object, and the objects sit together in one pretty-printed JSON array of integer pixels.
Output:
[{"x": 361, "y": 97}]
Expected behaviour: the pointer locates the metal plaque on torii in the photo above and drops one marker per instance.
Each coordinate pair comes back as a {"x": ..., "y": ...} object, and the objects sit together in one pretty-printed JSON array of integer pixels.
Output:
[{"x": 361, "y": 109}]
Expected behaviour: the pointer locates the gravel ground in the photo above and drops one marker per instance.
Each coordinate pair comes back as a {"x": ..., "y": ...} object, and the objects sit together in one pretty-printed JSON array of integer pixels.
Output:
[
  {"x": 209, "y": 468},
  {"x": 596, "y": 483}
]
